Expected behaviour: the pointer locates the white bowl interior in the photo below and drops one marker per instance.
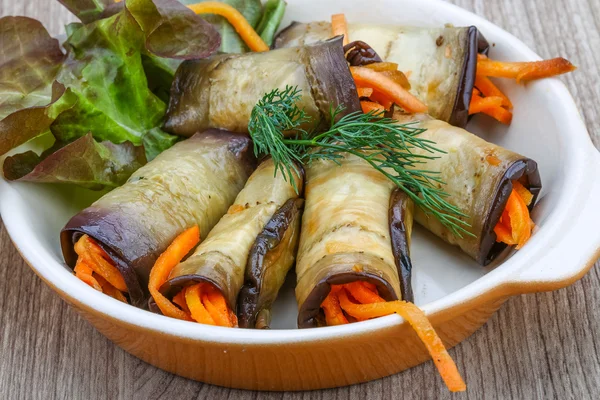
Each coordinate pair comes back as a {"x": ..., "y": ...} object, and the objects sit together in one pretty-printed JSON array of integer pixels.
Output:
[{"x": 38, "y": 212}]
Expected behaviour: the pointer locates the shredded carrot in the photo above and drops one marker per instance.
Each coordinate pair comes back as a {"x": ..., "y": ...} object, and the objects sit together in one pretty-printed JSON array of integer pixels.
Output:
[
  {"x": 368, "y": 106},
  {"x": 85, "y": 273},
  {"x": 382, "y": 66},
  {"x": 193, "y": 295},
  {"x": 159, "y": 274},
  {"x": 381, "y": 99},
  {"x": 398, "y": 77},
  {"x": 366, "y": 77},
  {"x": 97, "y": 259},
  {"x": 339, "y": 26},
  {"x": 525, "y": 194},
  {"x": 500, "y": 114},
  {"x": 236, "y": 19},
  {"x": 480, "y": 104},
  {"x": 217, "y": 307},
  {"x": 332, "y": 310},
  {"x": 179, "y": 299},
  {"x": 515, "y": 225},
  {"x": 488, "y": 89},
  {"x": 415, "y": 318},
  {"x": 362, "y": 294},
  {"x": 364, "y": 92},
  {"x": 524, "y": 71},
  {"x": 110, "y": 290}
]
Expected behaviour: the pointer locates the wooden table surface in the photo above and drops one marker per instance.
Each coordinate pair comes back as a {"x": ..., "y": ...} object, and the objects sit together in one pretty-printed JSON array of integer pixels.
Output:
[{"x": 539, "y": 346}]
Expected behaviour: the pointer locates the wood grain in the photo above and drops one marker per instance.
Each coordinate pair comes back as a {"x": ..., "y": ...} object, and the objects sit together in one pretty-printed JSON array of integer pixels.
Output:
[{"x": 540, "y": 346}]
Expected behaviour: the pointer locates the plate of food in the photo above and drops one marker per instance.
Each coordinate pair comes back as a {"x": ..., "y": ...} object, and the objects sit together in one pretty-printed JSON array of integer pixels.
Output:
[{"x": 320, "y": 193}]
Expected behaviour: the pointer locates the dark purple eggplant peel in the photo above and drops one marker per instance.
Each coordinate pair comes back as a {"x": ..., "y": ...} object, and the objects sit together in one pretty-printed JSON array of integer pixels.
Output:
[
  {"x": 192, "y": 183},
  {"x": 442, "y": 75},
  {"x": 221, "y": 91}
]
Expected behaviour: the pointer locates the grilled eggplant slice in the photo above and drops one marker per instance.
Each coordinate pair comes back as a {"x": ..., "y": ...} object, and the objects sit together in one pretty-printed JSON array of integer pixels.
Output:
[
  {"x": 478, "y": 178},
  {"x": 352, "y": 213},
  {"x": 192, "y": 183},
  {"x": 440, "y": 62},
  {"x": 260, "y": 224},
  {"x": 220, "y": 92}
]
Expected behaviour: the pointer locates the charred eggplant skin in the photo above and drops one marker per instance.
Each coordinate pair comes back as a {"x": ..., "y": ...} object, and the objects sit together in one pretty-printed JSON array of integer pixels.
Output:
[
  {"x": 401, "y": 221},
  {"x": 135, "y": 223},
  {"x": 220, "y": 92},
  {"x": 250, "y": 303}
]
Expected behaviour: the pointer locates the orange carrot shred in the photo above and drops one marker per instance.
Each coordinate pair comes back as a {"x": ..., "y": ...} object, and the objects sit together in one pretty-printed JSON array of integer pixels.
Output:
[
  {"x": 368, "y": 106},
  {"x": 524, "y": 71},
  {"x": 419, "y": 322},
  {"x": 85, "y": 273},
  {"x": 110, "y": 290},
  {"x": 362, "y": 294},
  {"x": 523, "y": 192},
  {"x": 217, "y": 307},
  {"x": 159, "y": 274},
  {"x": 382, "y": 66},
  {"x": 503, "y": 234},
  {"x": 398, "y": 77},
  {"x": 179, "y": 299},
  {"x": 487, "y": 87},
  {"x": 501, "y": 114},
  {"x": 479, "y": 104},
  {"x": 339, "y": 26},
  {"x": 364, "y": 92},
  {"x": 332, "y": 310},
  {"x": 193, "y": 296},
  {"x": 381, "y": 83},
  {"x": 515, "y": 225},
  {"x": 236, "y": 19},
  {"x": 382, "y": 99},
  {"x": 97, "y": 259}
]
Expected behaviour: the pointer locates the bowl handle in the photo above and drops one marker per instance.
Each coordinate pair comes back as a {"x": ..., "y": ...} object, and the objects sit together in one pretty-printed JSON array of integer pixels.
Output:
[{"x": 576, "y": 250}]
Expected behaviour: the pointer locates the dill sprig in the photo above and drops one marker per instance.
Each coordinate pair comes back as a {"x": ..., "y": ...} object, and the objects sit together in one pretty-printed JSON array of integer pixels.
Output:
[{"x": 276, "y": 128}]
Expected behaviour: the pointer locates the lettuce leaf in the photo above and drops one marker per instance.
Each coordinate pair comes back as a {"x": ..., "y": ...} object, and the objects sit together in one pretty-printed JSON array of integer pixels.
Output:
[
  {"x": 271, "y": 19},
  {"x": 102, "y": 91},
  {"x": 84, "y": 162},
  {"x": 29, "y": 62}
]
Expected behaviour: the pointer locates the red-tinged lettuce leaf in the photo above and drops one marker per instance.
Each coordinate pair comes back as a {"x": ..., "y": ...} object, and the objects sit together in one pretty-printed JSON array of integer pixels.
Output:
[
  {"x": 84, "y": 162},
  {"x": 231, "y": 42},
  {"x": 24, "y": 125},
  {"x": 104, "y": 71},
  {"x": 173, "y": 30},
  {"x": 87, "y": 10},
  {"x": 29, "y": 61}
]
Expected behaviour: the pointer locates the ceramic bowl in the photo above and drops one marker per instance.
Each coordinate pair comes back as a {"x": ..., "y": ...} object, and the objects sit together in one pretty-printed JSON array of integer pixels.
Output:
[{"x": 457, "y": 294}]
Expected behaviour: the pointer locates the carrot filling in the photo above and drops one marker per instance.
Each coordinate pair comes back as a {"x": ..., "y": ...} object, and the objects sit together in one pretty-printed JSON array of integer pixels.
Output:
[
  {"x": 201, "y": 302},
  {"x": 236, "y": 19},
  {"x": 490, "y": 100},
  {"x": 360, "y": 301},
  {"x": 98, "y": 270},
  {"x": 515, "y": 225}
]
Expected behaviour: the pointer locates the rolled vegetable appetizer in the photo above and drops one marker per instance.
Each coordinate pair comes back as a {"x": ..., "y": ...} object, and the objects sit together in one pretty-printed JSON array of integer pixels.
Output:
[
  {"x": 353, "y": 257},
  {"x": 254, "y": 242},
  {"x": 440, "y": 63},
  {"x": 118, "y": 238},
  {"x": 494, "y": 187},
  {"x": 349, "y": 219},
  {"x": 220, "y": 92}
]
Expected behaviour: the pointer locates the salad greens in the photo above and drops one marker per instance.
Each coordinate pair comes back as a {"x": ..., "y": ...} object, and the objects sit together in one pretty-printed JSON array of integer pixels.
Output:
[{"x": 102, "y": 103}]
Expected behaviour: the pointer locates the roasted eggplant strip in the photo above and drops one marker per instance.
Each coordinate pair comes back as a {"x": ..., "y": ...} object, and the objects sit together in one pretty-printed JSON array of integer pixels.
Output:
[
  {"x": 271, "y": 257},
  {"x": 440, "y": 63},
  {"x": 267, "y": 201},
  {"x": 193, "y": 183},
  {"x": 479, "y": 178},
  {"x": 349, "y": 219},
  {"x": 220, "y": 92},
  {"x": 401, "y": 221}
]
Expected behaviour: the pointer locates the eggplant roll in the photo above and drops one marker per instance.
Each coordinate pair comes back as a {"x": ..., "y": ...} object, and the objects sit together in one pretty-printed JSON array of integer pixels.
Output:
[
  {"x": 440, "y": 63},
  {"x": 352, "y": 214},
  {"x": 478, "y": 178},
  {"x": 192, "y": 183},
  {"x": 220, "y": 92},
  {"x": 255, "y": 243}
]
